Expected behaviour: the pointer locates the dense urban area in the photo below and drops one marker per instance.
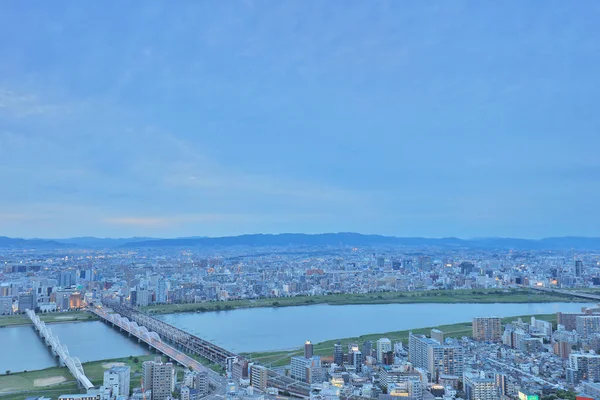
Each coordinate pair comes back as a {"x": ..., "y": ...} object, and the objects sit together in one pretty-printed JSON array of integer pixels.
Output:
[{"x": 491, "y": 358}]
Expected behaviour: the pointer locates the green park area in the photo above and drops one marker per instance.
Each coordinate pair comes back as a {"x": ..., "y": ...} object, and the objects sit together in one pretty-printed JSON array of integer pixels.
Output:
[
  {"x": 52, "y": 382},
  {"x": 280, "y": 358},
  {"x": 429, "y": 296},
  {"x": 57, "y": 317}
]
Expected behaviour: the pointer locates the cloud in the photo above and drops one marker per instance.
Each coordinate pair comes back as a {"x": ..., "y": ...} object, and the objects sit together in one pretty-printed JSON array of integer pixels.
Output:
[{"x": 19, "y": 104}]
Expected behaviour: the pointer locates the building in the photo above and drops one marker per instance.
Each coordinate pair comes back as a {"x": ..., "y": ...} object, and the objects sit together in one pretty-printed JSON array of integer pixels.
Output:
[
  {"x": 26, "y": 302},
  {"x": 562, "y": 349},
  {"x": 592, "y": 389},
  {"x": 259, "y": 377},
  {"x": 587, "y": 325},
  {"x": 418, "y": 350},
  {"x": 478, "y": 387},
  {"x": 338, "y": 354},
  {"x": 543, "y": 327},
  {"x": 487, "y": 329},
  {"x": 75, "y": 301},
  {"x": 578, "y": 268},
  {"x": 383, "y": 346},
  {"x": 161, "y": 291},
  {"x": 117, "y": 379},
  {"x": 584, "y": 367},
  {"x": 568, "y": 320},
  {"x": 437, "y": 335},
  {"x": 357, "y": 360},
  {"x": 158, "y": 377},
  {"x": 388, "y": 358},
  {"x": 308, "y": 349},
  {"x": 445, "y": 360},
  {"x": 307, "y": 370},
  {"x": 6, "y": 307},
  {"x": 87, "y": 396}
]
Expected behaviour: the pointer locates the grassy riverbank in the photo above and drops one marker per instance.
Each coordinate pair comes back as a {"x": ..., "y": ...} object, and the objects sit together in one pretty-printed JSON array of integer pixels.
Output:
[
  {"x": 50, "y": 318},
  {"x": 431, "y": 296},
  {"x": 280, "y": 358},
  {"x": 54, "y": 381}
]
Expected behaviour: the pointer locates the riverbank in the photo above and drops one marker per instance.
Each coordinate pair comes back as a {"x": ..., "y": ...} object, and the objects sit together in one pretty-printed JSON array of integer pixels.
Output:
[
  {"x": 282, "y": 357},
  {"x": 49, "y": 318},
  {"x": 431, "y": 296}
]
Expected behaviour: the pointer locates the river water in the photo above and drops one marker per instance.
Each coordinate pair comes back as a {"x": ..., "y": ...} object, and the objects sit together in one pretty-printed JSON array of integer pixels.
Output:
[
  {"x": 254, "y": 329},
  {"x": 22, "y": 349},
  {"x": 257, "y": 329}
]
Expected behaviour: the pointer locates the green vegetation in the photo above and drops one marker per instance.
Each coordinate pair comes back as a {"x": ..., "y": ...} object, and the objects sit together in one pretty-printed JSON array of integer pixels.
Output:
[
  {"x": 69, "y": 316},
  {"x": 280, "y": 358},
  {"x": 430, "y": 296}
]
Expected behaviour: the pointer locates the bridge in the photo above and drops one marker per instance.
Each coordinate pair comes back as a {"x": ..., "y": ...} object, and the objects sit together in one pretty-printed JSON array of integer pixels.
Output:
[
  {"x": 582, "y": 295},
  {"x": 153, "y": 340},
  {"x": 60, "y": 350},
  {"x": 187, "y": 343}
]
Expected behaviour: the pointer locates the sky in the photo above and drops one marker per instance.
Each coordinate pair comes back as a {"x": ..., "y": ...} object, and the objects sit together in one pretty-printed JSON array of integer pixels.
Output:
[{"x": 211, "y": 118}]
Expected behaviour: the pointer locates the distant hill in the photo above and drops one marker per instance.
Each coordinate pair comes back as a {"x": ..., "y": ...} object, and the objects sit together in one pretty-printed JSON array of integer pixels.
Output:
[
  {"x": 7, "y": 242},
  {"x": 94, "y": 242},
  {"x": 357, "y": 239},
  {"x": 316, "y": 240}
]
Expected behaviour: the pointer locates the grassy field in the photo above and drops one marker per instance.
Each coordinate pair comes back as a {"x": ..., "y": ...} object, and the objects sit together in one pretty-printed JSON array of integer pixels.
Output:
[
  {"x": 69, "y": 316},
  {"x": 280, "y": 358},
  {"x": 28, "y": 383},
  {"x": 431, "y": 296}
]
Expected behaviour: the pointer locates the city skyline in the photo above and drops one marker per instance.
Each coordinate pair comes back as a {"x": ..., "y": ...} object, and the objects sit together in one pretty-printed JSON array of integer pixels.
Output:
[{"x": 458, "y": 119}]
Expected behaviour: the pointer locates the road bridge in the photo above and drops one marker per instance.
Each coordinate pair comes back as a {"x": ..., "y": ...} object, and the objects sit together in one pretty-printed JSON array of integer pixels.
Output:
[
  {"x": 581, "y": 295},
  {"x": 191, "y": 344},
  {"x": 60, "y": 350}
]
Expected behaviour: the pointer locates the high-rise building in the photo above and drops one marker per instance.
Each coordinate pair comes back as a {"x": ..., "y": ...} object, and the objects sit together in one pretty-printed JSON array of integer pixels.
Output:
[
  {"x": 487, "y": 329},
  {"x": 383, "y": 346},
  {"x": 357, "y": 360},
  {"x": 586, "y": 366},
  {"x": 338, "y": 354},
  {"x": 418, "y": 346},
  {"x": 158, "y": 377},
  {"x": 562, "y": 349},
  {"x": 568, "y": 320},
  {"x": 259, "y": 377},
  {"x": 161, "y": 291},
  {"x": 445, "y": 360},
  {"x": 367, "y": 349},
  {"x": 478, "y": 387},
  {"x": 308, "y": 349},
  {"x": 388, "y": 358},
  {"x": 117, "y": 379},
  {"x": 587, "y": 325},
  {"x": 578, "y": 268}
]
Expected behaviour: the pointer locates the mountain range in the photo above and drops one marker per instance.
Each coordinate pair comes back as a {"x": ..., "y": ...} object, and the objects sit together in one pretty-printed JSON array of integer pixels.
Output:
[{"x": 300, "y": 239}]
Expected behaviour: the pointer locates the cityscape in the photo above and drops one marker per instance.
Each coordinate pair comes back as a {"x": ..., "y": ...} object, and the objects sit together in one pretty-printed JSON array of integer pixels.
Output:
[
  {"x": 299, "y": 200},
  {"x": 134, "y": 289}
]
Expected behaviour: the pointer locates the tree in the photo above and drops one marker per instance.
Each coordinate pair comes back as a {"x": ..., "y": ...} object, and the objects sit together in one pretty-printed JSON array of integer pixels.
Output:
[
  {"x": 136, "y": 360},
  {"x": 8, "y": 372}
]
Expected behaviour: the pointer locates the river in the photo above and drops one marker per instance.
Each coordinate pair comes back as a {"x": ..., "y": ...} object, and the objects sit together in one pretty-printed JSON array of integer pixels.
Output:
[
  {"x": 254, "y": 329},
  {"x": 259, "y": 329}
]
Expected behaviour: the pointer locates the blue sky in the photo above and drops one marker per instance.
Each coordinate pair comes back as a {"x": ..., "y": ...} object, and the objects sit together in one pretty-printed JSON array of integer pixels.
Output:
[{"x": 448, "y": 118}]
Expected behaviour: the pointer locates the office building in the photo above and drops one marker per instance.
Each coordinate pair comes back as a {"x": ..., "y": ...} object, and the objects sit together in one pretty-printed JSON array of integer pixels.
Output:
[
  {"x": 388, "y": 358},
  {"x": 487, "y": 329},
  {"x": 367, "y": 349},
  {"x": 117, "y": 379},
  {"x": 308, "y": 349},
  {"x": 383, "y": 346},
  {"x": 259, "y": 377},
  {"x": 307, "y": 370}
]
